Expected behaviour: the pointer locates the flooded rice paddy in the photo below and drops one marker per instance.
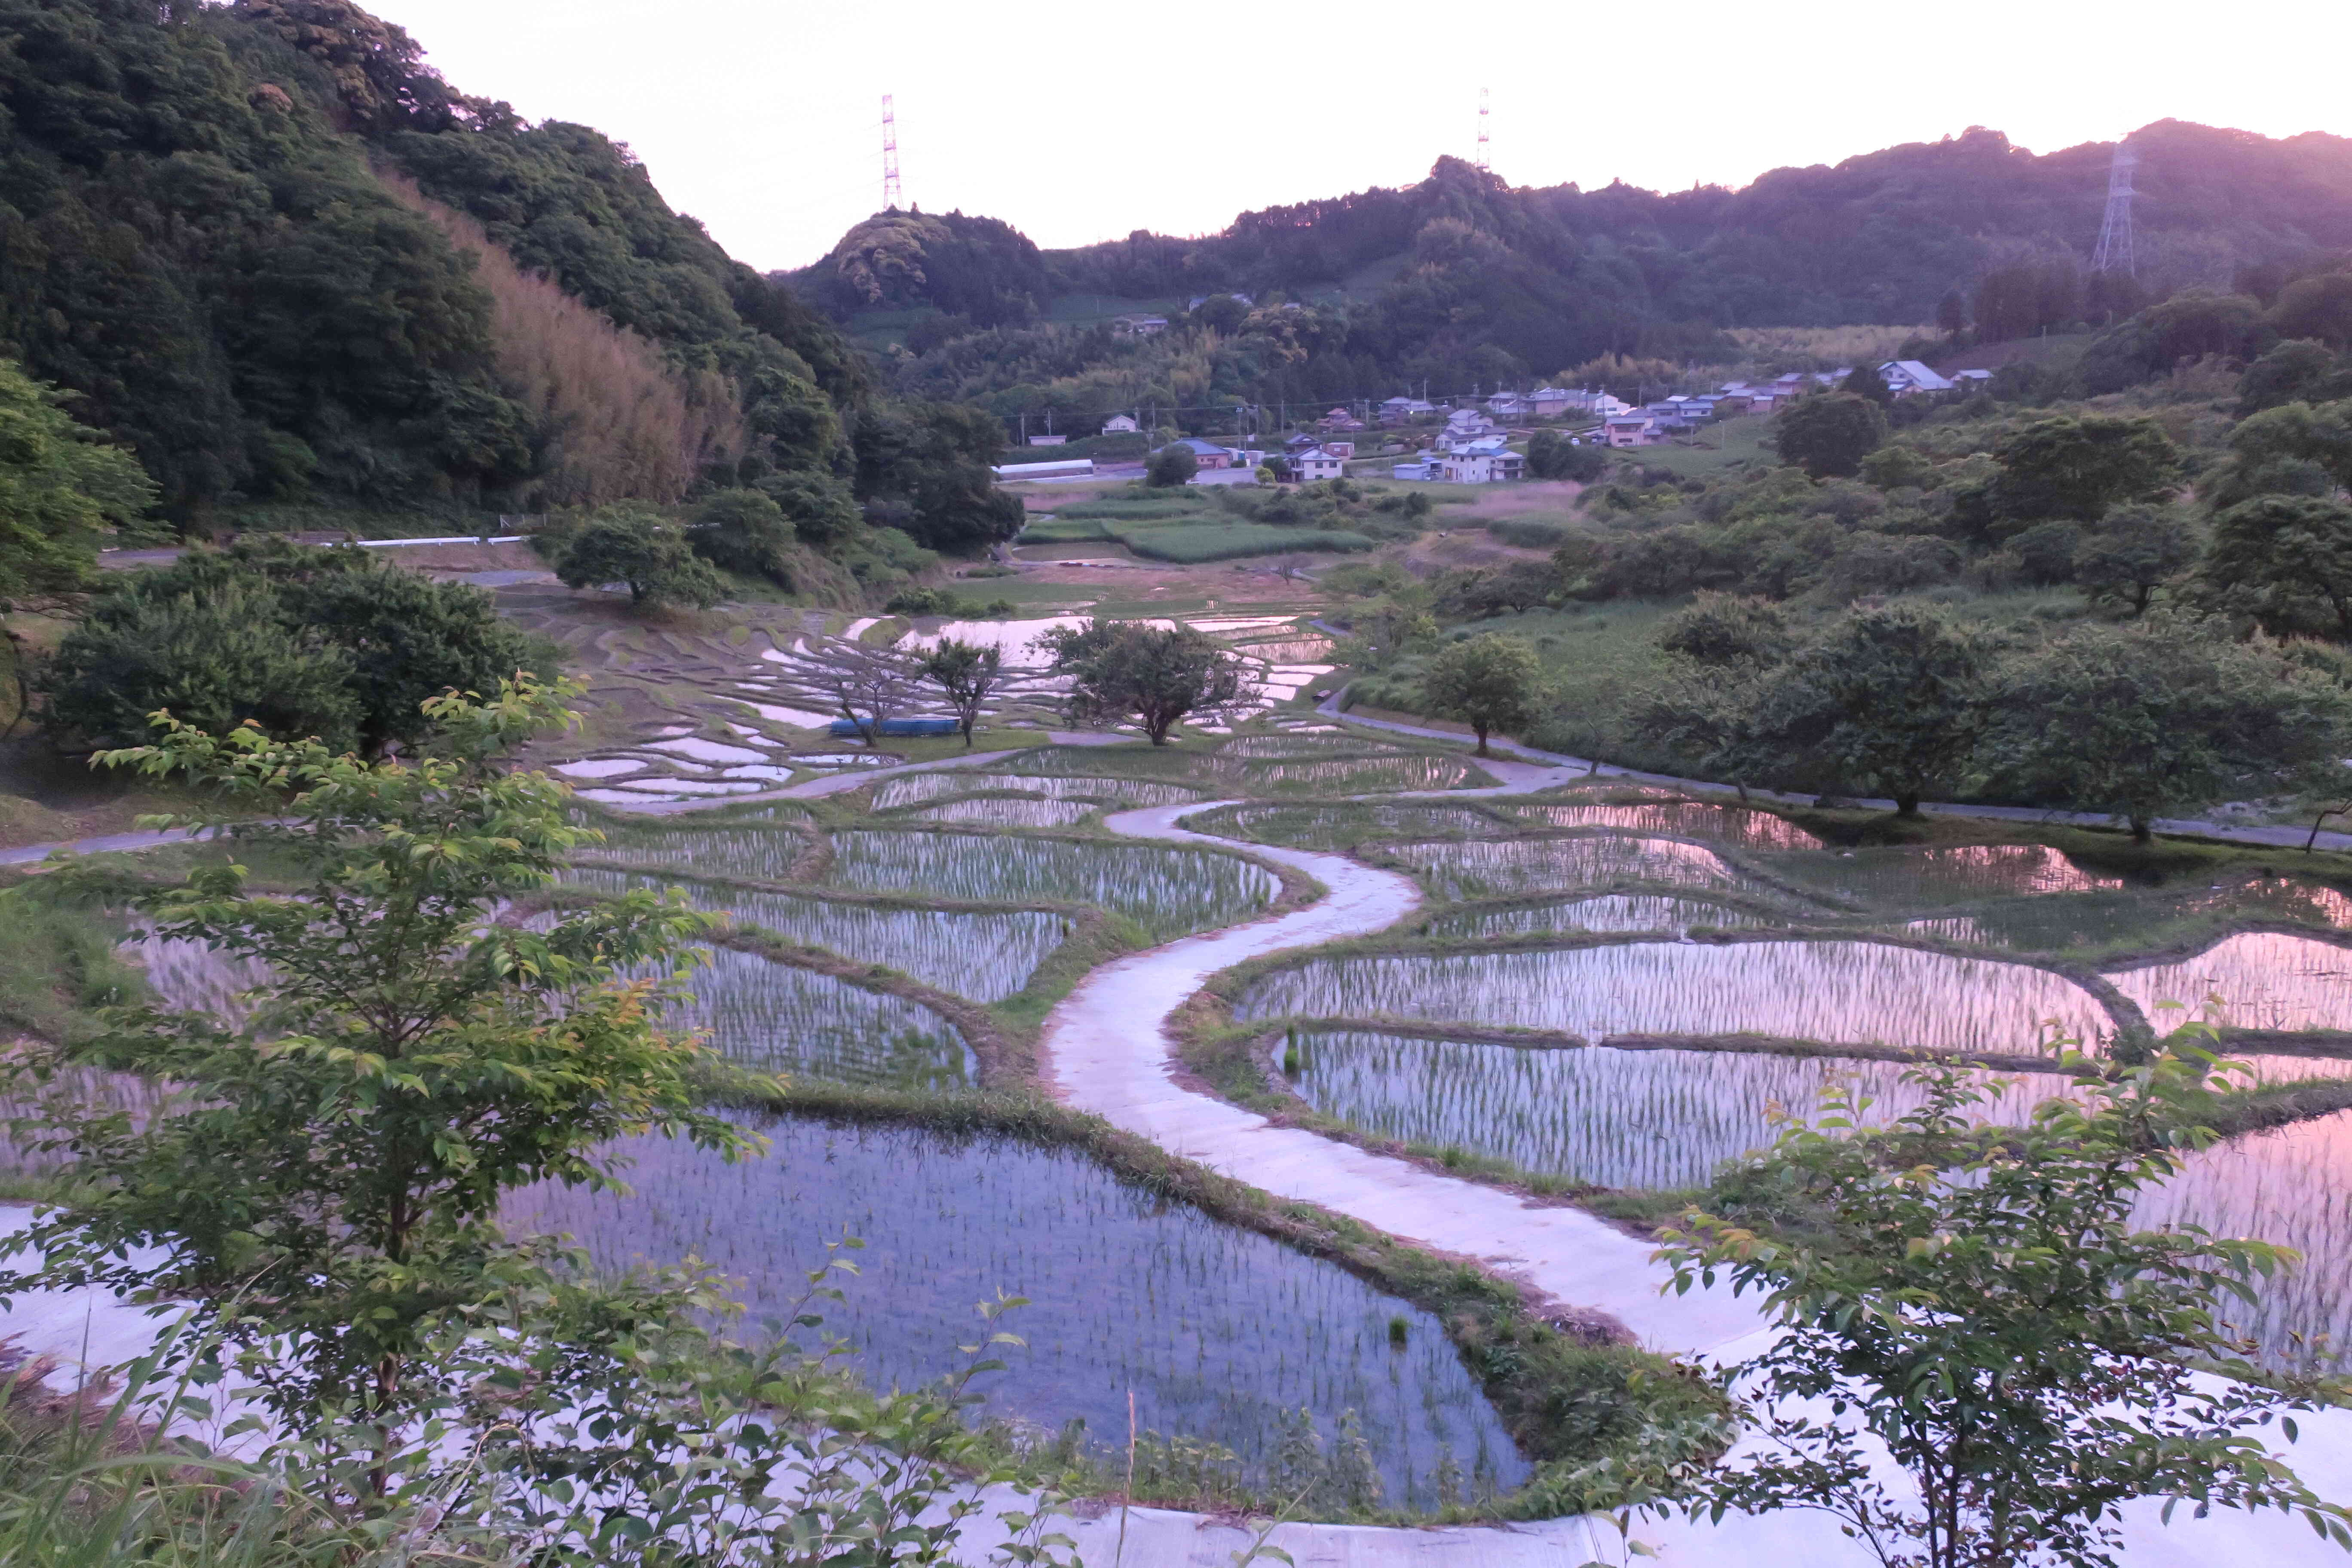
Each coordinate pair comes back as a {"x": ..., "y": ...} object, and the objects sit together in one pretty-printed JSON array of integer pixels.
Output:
[
  {"x": 1606, "y": 913},
  {"x": 755, "y": 854},
  {"x": 1342, "y": 775},
  {"x": 1218, "y": 1331},
  {"x": 779, "y": 1018},
  {"x": 911, "y": 788},
  {"x": 984, "y": 955},
  {"x": 1924, "y": 877},
  {"x": 1334, "y": 827},
  {"x": 1168, "y": 892},
  {"x": 1687, "y": 819},
  {"x": 1003, "y": 813},
  {"x": 1501, "y": 867},
  {"x": 1628, "y": 1119},
  {"x": 2254, "y": 980},
  {"x": 1835, "y": 992},
  {"x": 2137, "y": 920}
]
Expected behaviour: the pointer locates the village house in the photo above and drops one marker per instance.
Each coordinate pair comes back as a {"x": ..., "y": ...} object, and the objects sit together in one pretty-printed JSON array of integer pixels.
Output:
[
  {"x": 1905, "y": 376},
  {"x": 1510, "y": 405},
  {"x": 1548, "y": 402},
  {"x": 1483, "y": 462},
  {"x": 1340, "y": 419},
  {"x": 1316, "y": 463},
  {"x": 1138, "y": 326},
  {"x": 1121, "y": 424},
  {"x": 1206, "y": 453},
  {"x": 1467, "y": 424},
  {"x": 1972, "y": 380},
  {"x": 1636, "y": 428},
  {"x": 1404, "y": 410}
]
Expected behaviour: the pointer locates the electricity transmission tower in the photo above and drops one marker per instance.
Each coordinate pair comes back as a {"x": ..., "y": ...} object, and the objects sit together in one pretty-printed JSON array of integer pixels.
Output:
[
  {"x": 1482, "y": 130},
  {"x": 890, "y": 156},
  {"x": 2114, "y": 248}
]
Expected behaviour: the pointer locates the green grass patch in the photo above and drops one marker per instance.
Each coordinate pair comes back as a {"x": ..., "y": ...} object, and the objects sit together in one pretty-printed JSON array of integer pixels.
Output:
[
  {"x": 1192, "y": 545},
  {"x": 1139, "y": 509},
  {"x": 1720, "y": 447}
]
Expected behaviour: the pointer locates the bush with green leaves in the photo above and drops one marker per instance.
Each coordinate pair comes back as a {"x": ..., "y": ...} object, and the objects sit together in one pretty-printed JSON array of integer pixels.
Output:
[
  {"x": 1488, "y": 682},
  {"x": 1171, "y": 465},
  {"x": 339, "y": 644},
  {"x": 635, "y": 545},
  {"x": 1985, "y": 1309},
  {"x": 1830, "y": 433},
  {"x": 1156, "y": 676}
]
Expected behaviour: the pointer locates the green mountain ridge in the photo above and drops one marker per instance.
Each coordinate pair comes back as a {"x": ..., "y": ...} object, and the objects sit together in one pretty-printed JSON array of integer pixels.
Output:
[{"x": 1466, "y": 279}]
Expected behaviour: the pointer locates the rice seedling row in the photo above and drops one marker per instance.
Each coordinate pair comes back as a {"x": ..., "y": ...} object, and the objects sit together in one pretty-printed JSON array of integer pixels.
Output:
[
  {"x": 1220, "y": 1333},
  {"x": 1835, "y": 992},
  {"x": 984, "y": 955},
  {"x": 1168, "y": 892},
  {"x": 778, "y": 1017}
]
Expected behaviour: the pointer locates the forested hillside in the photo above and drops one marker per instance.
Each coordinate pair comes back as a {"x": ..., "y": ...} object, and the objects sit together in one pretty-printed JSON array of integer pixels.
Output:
[
  {"x": 1464, "y": 279},
  {"x": 276, "y": 255}
]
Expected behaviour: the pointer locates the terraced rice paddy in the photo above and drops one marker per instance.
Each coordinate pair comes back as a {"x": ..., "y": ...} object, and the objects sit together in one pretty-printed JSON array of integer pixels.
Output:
[
  {"x": 1923, "y": 879},
  {"x": 1686, "y": 819},
  {"x": 1262, "y": 747},
  {"x": 1608, "y": 912},
  {"x": 2254, "y": 980},
  {"x": 1167, "y": 893},
  {"x": 2289, "y": 1185},
  {"x": 779, "y": 1018},
  {"x": 1332, "y": 827},
  {"x": 986, "y": 956},
  {"x": 1833, "y": 992},
  {"x": 1342, "y": 775},
  {"x": 1001, "y": 813},
  {"x": 1500, "y": 869},
  {"x": 1624, "y": 1119},
  {"x": 755, "y": 854},
  {"x": 1217, "y": 1331},
  {"x": 2129, "y": 921},
  {"x": 910, "y": 788},
  {"x": 194, "y": 978}
]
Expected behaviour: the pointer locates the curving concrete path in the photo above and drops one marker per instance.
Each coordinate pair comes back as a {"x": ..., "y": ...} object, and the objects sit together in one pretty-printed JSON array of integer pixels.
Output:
[{"x": 1106, "y": 1050}]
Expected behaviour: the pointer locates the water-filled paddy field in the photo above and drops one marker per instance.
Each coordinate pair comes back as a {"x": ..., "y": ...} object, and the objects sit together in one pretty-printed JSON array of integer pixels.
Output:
[
  {"x": 1333, "y": 827},
  {"x": 984, "y": 955},
  {"x": 1836, "y": 991},
  {"x": 1460, "y": 870},
  {"x": 913, "y": 788},
  {"x": 1218, "y": 1331},
  {"x": 778, "y": 1017},
  {"x": 1629, "y": 1118},
  {"x": 1660, "y": 912},
  {"x": 1168, "y": 892}
]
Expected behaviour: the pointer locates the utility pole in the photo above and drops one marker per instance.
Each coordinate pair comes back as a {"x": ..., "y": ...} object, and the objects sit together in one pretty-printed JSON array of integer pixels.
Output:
[{"x": 889, "y": 155}]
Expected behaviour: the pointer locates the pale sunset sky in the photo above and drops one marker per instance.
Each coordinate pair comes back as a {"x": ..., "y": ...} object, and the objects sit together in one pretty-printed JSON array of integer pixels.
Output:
[{"x": 1082, "y": 122}]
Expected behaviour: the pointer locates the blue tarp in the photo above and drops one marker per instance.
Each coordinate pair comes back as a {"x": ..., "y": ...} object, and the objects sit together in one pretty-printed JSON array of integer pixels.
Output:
[{"x": 843, "y": 727}]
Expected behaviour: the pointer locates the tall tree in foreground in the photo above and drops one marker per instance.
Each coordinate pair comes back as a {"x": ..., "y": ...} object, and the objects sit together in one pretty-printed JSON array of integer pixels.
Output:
[
  {"x": 967, "y": 673},
  {"x": 1983, "y": 1306},
  {"x": 1123, "y": 670},
  {"x": 1488, "y": 682},
  {"x": 871, "y": 686},
  {"x": 2166, "y": 714},
  {"x": 326, "y": 1193},
  {"x": 637, "y": 546},
  {"x": 1830, "y": 433}
]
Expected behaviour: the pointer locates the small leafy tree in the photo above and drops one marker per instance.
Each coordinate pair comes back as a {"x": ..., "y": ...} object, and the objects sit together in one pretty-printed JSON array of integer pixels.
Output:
[
  {"x": 1863, "y": 381},
  {"x": 636, "y": 545},
  {"x": 2164, "y": 714},
  {"x": 1171, "y": 465},
  {"x": 325, "y": 1193},
  {"x": 1893, "y": 698},
  {"x": 968, "y": 674},
  {"x": 1830, "y": 434},
  {"x": 1122, "y": 670},
  {"x": 1488, "y": 682},
  {"x": 743, "y": 530},
  {"x": 1728, "y": 631},
  {"x": 2136, "y": 551},
  {"x": 1981, "y": 1305},
  {"x": 2070, "y": 468},
  {"x": 818, "y": 506}
]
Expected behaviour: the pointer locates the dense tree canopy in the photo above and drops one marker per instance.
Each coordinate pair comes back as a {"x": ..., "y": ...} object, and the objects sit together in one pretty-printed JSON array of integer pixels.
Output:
[{"x": 1829, "y": 436}]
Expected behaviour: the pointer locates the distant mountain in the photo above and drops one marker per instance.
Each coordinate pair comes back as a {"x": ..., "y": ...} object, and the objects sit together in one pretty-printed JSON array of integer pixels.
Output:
[{"x": 1463, "y": 277}]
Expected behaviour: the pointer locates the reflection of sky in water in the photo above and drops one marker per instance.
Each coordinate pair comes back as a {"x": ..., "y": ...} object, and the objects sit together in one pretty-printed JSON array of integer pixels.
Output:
[
  {"x": 2287, "y": 1184},
  {"x": 1324, "y": 828},
  {"x": 1218, "y": 1330},
  {"x": 1501, "y": 867},
  {"x": 1615, "y": 1118},
  {"x": 1167, "y": 891},
  {"x": 2264, "y": 979},
  {"x": 1753, "y": 829},
  {"x": 1837, "y": 991},
  {"x": 1901, "y": 877},
  {"x": 1608, "y": 912},
  {"x": 777, "y": 1018}
]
